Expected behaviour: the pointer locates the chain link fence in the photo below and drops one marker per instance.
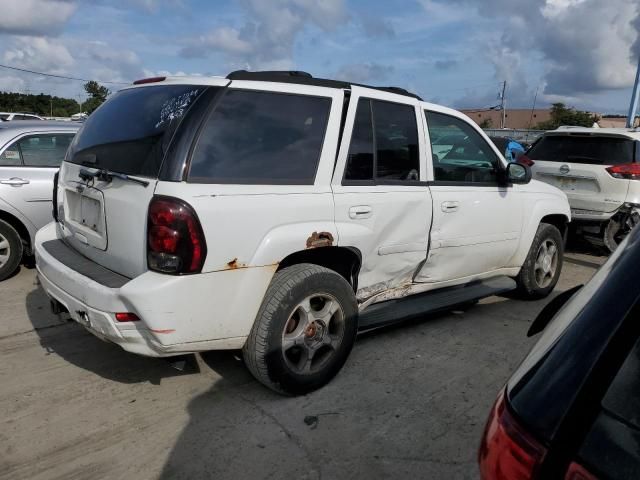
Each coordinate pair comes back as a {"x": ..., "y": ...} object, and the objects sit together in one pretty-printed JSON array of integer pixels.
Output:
[{"x": 522, "y": 136}]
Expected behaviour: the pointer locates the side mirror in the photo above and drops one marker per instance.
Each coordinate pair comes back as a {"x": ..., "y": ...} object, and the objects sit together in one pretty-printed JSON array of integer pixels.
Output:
[{"x": 518, "y": 173}]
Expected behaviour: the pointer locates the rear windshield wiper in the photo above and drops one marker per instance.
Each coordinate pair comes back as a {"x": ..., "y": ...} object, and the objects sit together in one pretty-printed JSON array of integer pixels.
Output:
[{"x": 105, "y": 175}]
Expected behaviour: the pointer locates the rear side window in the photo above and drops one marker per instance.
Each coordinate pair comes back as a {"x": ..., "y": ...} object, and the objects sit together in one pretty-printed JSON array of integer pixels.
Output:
[
  {"x": 44, "y": 150},
  {"x": 384, "y": 143},
  {"x": 261, "y": 138},
  {"x": 600, "y": 150},
  {"x": 131, "y": 132}
]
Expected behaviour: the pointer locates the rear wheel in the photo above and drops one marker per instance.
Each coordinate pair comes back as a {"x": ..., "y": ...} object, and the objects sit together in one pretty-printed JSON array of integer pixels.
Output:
[
  {"x": 304, "y": 330},
  {"x": 10, "y": 250},
  {"x": 541, "y": 270}
]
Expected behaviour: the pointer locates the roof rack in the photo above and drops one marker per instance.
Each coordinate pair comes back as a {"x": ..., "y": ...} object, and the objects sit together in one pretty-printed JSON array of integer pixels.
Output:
[{"x": 304, "y": 78}]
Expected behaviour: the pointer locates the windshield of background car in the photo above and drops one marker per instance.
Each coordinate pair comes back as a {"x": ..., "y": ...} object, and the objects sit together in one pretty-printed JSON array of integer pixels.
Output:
[
  {"x": 130, "y": 132},
  {"x": 590, "y": 149}
]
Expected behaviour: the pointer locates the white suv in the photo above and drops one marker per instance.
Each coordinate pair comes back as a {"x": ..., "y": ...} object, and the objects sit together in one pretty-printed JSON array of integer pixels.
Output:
[
  {"x": 280, "y": 213},
  {"x": 599, "y": 170}
]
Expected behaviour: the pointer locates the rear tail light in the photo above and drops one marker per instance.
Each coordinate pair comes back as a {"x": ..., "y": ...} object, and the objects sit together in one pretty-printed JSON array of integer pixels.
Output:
[
  {"x": 508, "y": 451},
  {"x": 524, "y": 160},
  {"x": 126, "y": 317},
  {"x": 578, "y": 472},
  {"x": 175, "y": 241},
  {"x": 629, "y": 171}
]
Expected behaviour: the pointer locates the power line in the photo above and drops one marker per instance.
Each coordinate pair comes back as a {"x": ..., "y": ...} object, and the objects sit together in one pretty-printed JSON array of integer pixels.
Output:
[{"x": 57, "y": 76}]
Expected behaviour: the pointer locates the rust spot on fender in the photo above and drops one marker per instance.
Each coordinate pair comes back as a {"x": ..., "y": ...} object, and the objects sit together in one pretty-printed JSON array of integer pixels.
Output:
[
  {"x": 234, "y": 264},
  {"x": 320, "y": 239}
]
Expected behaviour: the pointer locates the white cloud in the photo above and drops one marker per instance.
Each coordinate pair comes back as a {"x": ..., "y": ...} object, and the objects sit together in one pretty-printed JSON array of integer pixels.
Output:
[
  {"x": 267, "y": 37},
  {"x": 10, "y": 83},
  {"x": 40, "y": 54},
  {"x": 364, "y": 72},
  {"x": 35, "y": 17}
]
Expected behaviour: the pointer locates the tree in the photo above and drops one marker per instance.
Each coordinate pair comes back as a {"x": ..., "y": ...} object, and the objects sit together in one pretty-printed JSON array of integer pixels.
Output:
[
  {"x": 486, "y": 123},
  {"x": 97, "y": 95},
  {"x": 562, "y": 115},
  {"x": 39, "y": 104}
]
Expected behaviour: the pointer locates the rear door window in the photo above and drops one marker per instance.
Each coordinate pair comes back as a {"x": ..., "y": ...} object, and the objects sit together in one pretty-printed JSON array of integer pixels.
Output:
[
  {"x": 384, "y": 143},
  {"x": 44, "y": 150},
  {"x": 594, "y": 150},
  {"x": 257, "y": 137},
  {"x": 131, "y": 132}
]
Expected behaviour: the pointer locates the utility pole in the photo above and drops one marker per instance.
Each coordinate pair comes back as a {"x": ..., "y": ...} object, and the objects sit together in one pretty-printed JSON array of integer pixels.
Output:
[
  {"x": 503, "y": 103},
  {"x": 634, "y": 100},
  {"x": 533, "y": 109},
  {"x": 51, "y": 104}
]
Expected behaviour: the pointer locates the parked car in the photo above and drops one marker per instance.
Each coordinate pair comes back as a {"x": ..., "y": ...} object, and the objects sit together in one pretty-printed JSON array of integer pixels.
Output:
[
  {"x": 572, "y": 408},
  {"x": 264, "y": 211},
  {"x": 509, "y": 147},
  {"x": 599, "y": 170},
  {"x": 8, "y": 116},
  {"x": 30, "y": 155}
]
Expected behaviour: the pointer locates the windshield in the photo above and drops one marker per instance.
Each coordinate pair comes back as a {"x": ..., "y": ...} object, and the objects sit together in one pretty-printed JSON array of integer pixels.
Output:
[
  {"x": 131, "y": 132},
  {"x": 600, "y": 150}
]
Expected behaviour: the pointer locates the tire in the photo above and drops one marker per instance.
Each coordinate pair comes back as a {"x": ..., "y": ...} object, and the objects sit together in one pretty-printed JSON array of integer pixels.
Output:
[
  {"x": 304, "y": 330},
  {"x": 541, "y": 270},
  {"x": 10, "y": 250}
]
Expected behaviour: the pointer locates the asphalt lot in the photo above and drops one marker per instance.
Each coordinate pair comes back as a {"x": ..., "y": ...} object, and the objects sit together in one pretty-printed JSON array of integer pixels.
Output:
[{"x": 411, "y": 401}]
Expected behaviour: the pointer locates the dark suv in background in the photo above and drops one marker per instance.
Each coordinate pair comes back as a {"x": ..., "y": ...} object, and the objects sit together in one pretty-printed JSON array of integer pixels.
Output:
[{"x": 572, "y": 408}]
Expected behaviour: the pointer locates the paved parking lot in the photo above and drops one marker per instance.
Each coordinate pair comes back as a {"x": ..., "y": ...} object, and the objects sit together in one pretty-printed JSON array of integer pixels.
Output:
[{"x": 410, "y": 402}]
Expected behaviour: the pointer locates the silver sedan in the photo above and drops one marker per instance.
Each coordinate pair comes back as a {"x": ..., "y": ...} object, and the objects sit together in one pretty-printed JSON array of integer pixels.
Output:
[{"x": 30, "y": 155}]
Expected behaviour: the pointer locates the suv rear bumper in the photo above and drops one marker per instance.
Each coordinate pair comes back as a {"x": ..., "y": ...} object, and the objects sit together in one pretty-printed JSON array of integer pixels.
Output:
[{"x": 178, "y": 314}]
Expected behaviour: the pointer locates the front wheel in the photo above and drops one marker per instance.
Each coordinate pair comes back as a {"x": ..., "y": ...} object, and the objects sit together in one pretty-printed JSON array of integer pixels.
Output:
[
  {"x": 541, "y": 270},
  {"x": 304, "y": 330},
  {"x": 10, "y": 250}
]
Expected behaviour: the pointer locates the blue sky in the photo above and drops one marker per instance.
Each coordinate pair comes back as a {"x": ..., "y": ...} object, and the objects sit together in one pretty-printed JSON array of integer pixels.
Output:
[{"x": 454, "y": 52}]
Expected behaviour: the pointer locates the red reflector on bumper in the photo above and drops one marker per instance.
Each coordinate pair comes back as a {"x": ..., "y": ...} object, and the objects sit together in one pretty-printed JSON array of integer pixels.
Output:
[{"x": 126, "y": 317}]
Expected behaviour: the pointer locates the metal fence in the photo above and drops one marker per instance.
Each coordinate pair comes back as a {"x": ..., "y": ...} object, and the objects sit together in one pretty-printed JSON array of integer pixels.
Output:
[{"x": 526, "y": 136}]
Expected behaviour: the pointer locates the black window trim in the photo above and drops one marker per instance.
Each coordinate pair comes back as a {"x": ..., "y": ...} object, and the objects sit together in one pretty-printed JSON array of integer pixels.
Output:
[
  {"x": 214, "y": 106},
  {"x": 375, "y": 181},
  {"x": 446, "y": 183}
]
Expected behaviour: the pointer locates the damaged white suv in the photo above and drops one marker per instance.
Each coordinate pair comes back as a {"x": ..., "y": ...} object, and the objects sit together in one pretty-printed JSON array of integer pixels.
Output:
[{"x": 281, "y": 213}]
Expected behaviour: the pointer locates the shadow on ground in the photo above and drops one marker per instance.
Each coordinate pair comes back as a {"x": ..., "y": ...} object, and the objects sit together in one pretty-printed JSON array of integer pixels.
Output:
[{"x": 76, "y": 345}]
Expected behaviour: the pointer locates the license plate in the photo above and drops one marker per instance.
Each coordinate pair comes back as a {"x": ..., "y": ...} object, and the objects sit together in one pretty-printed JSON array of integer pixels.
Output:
[
  {"x": 90, "y": 211},
  {"x": 568, "y": 183}
]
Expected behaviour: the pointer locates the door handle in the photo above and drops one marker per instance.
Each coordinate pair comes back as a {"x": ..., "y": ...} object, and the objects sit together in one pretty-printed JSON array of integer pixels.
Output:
[
  {"x": 360, "y": 211},
  {"x": 450, "y": 207},
  {"x": 15, "y": 182}
]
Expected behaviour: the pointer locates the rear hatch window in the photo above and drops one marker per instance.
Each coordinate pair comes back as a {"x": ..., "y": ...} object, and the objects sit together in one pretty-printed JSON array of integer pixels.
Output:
[
  {"x": 131, "y": 132},
  {"x": 589, "y": 149}
]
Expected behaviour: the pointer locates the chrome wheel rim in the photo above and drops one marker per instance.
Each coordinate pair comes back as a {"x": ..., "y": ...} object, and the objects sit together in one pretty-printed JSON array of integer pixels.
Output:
[
  {"x": 546, "y": 265},
  {"x": 313, "y": 333},
  {"x": 5, "y": 250}
]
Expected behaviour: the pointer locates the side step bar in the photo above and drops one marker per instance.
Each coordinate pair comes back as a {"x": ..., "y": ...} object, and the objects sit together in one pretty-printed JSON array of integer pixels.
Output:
[{"x": 393, "y": 311}]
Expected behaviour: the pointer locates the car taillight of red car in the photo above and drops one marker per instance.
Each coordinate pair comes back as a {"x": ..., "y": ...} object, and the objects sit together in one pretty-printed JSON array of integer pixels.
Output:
[
  {"x": 175, "y": 241},
  {"x": 508, "y": 451}
]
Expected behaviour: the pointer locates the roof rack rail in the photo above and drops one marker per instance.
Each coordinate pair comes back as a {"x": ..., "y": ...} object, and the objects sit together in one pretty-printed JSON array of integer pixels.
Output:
[
  {"x": 304, "y": 78},
  {"x": 247, "y": 75}
]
